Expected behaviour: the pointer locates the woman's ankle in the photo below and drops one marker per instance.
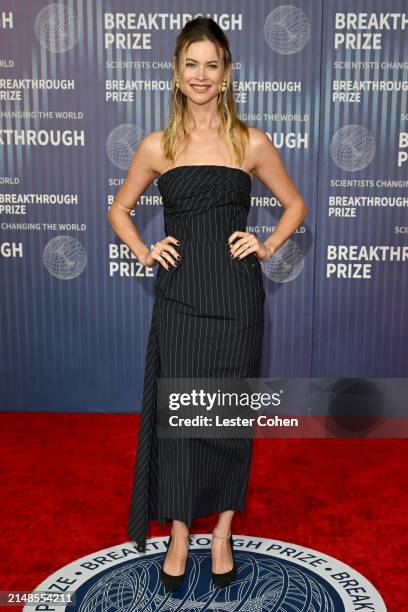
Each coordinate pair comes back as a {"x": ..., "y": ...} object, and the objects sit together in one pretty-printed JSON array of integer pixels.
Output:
[
  {"x": 222, "y": 532},
  {"x": 179, "y": 532}
]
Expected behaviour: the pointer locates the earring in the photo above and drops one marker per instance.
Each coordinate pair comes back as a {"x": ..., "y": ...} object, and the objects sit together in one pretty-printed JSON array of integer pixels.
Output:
[
  {"x": 177, "y": 83},
  {"x": 223, "y": 86}
]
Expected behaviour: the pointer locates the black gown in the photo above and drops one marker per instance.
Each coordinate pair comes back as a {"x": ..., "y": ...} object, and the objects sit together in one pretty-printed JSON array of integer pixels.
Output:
[{"x": 207, "y": 321}]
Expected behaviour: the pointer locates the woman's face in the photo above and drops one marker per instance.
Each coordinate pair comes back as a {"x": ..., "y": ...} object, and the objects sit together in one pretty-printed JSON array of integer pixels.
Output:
[{"x": 201, "y": 72}]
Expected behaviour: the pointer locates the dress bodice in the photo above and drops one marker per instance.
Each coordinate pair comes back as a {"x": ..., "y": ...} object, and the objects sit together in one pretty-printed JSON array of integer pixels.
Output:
[{"x": 205, "y": 202}]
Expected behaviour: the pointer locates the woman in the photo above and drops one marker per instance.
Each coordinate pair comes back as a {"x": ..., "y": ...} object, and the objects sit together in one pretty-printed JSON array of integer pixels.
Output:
[{"x": 207, "y": 318}]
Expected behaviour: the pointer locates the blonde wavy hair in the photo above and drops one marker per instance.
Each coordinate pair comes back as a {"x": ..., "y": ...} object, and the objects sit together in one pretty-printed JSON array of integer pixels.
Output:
[{"x": 232, "y": 129}]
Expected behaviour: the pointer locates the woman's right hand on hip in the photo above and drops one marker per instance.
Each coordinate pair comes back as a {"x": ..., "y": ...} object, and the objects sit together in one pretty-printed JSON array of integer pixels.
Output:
[{"x": 164, "y": 253}]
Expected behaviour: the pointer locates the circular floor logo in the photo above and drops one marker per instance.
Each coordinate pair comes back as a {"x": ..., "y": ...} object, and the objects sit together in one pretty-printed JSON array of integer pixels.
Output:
[{"x": 272, "y": 576}]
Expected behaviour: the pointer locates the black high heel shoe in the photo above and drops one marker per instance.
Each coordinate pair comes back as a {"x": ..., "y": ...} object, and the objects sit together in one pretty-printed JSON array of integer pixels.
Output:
[
  {"x": 225, "y": 579},
  {"x": 170, "y": 582}
]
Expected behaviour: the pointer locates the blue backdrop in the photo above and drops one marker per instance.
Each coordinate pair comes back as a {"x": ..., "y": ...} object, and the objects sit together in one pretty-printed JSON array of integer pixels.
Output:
[{"x": 83, "y": 80}]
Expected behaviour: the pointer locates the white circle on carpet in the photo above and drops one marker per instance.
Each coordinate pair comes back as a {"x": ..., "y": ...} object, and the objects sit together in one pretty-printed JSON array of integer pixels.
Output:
[{"x": 271, "y": 576}]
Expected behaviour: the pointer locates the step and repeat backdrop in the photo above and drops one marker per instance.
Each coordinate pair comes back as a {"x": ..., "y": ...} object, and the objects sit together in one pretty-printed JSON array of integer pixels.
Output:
[{"x": 82, "y": 81}]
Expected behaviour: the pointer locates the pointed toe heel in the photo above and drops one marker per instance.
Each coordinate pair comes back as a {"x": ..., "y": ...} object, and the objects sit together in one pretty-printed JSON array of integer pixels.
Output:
[
  {"x": 226, "y": 578},
  {"x": 170, "y": 582}
]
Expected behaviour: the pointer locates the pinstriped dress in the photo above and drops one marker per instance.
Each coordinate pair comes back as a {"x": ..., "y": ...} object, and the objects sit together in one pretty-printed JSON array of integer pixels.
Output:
[{"x": 207, "y": 321}]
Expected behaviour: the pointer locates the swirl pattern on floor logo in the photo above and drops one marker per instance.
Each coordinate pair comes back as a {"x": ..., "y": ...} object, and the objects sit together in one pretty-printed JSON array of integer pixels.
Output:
[{"x": 272, "y": 576}]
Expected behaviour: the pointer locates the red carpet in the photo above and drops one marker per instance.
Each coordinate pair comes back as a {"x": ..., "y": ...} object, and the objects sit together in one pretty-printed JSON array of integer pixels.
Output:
[{"x": 66, "y": 483}]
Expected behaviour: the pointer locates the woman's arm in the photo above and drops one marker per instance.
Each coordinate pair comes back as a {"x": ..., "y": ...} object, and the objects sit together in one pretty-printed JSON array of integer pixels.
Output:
[
  {"x": 269, "y": 168},
  {"x": 140, "y": 175}
]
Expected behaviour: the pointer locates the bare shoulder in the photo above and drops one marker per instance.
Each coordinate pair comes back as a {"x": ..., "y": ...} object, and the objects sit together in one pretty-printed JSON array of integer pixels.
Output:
[
  {"x": 261, "y": 150},
  {"x": 268, "y": 166},
  {"x": 258, "y": 140},
  {"x": 150, "y": 149},
  {"x": 144, "y": 168}
]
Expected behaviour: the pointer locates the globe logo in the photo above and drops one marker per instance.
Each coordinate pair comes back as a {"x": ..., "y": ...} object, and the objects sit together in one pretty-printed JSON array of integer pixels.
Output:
[
  {"x": 263, "y": 582},
  {"x": 64, "y": 257},
  {"x": 56, "y": 28},
  {"x": 352, "y": 147},
  {"x": 268, "y": 578},
  {"x": 285, "y": 265},
  {"x": 286, "y": 29},
  {"x": 122, "y": 143}
]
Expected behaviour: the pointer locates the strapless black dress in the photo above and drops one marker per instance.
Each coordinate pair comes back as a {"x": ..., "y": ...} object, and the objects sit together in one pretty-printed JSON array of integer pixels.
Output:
[{"x": 207, "y": 321}]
